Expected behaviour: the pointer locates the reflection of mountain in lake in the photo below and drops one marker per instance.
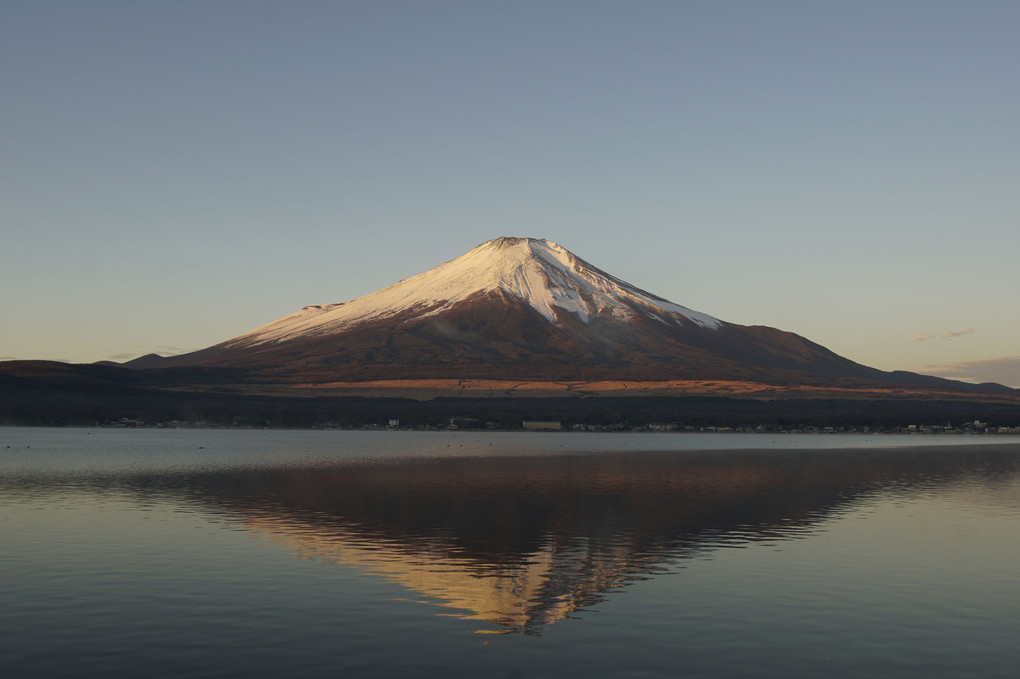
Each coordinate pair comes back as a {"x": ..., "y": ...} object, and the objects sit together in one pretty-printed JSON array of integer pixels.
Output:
[{"x": 521, "y": 542}]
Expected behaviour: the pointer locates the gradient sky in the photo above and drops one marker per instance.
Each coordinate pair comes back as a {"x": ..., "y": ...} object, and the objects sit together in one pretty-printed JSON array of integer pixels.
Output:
[{"x": 173, "y": 174}]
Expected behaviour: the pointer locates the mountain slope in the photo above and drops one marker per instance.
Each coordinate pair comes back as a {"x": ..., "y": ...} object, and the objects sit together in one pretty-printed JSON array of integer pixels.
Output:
[
  {"x": 518, "y": 308},
  {"x": 542, "y": 274}
]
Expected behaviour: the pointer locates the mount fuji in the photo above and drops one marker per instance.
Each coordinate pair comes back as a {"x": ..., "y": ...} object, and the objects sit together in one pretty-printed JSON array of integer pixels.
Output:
[{"x": 521, "y": 309}]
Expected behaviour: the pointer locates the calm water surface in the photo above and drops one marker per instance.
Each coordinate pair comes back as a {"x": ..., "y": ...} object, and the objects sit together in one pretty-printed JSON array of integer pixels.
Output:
[{"x": 192, "y": 553}]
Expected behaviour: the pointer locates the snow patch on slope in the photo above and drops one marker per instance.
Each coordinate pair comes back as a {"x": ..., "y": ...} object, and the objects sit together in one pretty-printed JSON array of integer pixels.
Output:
[{"x": 539, "y": 272}]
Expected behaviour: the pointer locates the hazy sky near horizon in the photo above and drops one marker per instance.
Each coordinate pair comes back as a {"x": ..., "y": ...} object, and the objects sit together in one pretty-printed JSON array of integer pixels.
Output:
[{"x": 175, "y": 174}]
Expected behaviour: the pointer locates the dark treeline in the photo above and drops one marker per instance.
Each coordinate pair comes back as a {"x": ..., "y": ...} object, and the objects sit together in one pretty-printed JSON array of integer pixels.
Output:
[{"x": 92, "y": 405}]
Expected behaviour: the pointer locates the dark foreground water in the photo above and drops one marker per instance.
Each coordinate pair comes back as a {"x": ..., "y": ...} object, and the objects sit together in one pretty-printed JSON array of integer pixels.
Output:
[{"x": 336, "y": 554}]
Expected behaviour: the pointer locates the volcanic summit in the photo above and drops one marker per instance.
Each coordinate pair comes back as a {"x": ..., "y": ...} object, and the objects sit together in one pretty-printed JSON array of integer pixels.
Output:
[{"x": 517, "y": 308}]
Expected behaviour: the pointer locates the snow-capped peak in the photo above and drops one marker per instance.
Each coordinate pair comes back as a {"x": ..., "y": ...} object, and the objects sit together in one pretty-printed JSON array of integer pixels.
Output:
[{"x": 539, "y": 272}]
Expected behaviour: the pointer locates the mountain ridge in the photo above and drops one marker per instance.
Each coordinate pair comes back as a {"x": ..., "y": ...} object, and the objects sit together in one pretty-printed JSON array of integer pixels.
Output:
[
  {"x": 543, "y": 274},
  {"x": 520, "y": 330},
  {"x": 524, "y": 308}
]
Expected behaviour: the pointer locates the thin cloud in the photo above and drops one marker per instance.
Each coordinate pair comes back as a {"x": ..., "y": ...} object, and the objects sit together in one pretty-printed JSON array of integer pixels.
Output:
[
  {"x": 170, "y": 351},
  {"x": 1005, "y": 370},
  {"x": 143, "y": 350},
  {"x": 120, "y": 357},
  {"x": 945, "y": 335}
]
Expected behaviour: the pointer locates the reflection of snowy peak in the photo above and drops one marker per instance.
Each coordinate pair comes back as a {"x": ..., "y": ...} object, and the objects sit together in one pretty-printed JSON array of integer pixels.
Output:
[
  {"x": 522, "y": 541},
  {"x": 540, "y": 273}
]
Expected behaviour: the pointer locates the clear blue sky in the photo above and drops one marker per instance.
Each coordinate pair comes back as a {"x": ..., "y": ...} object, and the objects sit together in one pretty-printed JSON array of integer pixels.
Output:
[{"x": 173, "y": 174}]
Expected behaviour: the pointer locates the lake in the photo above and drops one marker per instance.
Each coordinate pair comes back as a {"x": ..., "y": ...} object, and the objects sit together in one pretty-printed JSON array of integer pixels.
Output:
[{"x": 210, "y": 553}]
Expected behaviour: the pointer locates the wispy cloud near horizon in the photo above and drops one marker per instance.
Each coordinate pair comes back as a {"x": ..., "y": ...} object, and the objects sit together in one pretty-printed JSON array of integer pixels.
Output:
[
  {"x": 945, "y": 334},
  {"x": 1005, "y": 370},
  {"x": 140, "y": 351}
]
